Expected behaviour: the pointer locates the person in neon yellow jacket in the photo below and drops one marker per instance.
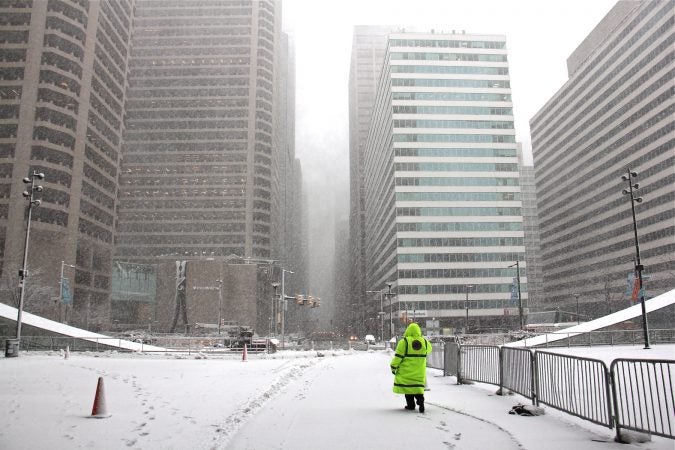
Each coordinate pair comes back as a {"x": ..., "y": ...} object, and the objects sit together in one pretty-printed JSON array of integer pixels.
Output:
[{"x": 409, "y": 365}]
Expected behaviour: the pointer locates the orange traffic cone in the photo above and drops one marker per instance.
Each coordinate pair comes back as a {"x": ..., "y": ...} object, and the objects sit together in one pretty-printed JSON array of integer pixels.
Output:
[
  {"x": 99, "y": 410},
  {"x": 243, "y": 355}
]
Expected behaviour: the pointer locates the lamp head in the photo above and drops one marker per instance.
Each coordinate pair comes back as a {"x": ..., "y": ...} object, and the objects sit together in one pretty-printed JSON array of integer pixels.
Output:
[
  {"x": 26, "y": 180},
  {"x": 638, "y": 200},
  {"x": 40, "y": 175},
  {"x": 633, "y": 174}
]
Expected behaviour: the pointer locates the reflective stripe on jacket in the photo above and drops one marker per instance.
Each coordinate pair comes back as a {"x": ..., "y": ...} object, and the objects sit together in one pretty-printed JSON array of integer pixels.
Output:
[{"x": 410, "y": 362}]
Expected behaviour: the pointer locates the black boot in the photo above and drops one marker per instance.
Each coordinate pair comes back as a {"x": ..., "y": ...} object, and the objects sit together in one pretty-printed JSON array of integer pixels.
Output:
[
  {"x": 410, "y": 401},
  {"x": 420, "y": 402}
]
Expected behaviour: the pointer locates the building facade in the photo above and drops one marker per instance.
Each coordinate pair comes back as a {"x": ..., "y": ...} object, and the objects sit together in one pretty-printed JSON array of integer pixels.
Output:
[
  {"x": 63, "y": 68},
  {"x": 614, "y": 113},
  {"x": 368, "y": 47},
  {"x": 442, "y": 198}
]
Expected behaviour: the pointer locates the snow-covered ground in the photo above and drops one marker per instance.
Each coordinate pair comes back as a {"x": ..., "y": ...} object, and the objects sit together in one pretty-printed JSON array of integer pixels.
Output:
[{"x": 289, "y": 400}]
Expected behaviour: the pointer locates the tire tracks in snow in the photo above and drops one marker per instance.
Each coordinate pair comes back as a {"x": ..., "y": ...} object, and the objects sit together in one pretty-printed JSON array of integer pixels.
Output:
[{"x": 285, "y": 376}]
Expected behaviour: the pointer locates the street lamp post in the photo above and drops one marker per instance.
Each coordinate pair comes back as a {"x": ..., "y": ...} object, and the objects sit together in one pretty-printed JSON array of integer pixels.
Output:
[
  {"x": 12, "y": 348},
  {"x": 466, "y": 305},
  {"x": 391, "y": 313},
  {"x": 220, "y": 304},
  {"x": 628, "y": 176},
  {"x": 520, "y": 298},
  {"x": 274, "y": 302},
  {"x": 283, "y": 304}
]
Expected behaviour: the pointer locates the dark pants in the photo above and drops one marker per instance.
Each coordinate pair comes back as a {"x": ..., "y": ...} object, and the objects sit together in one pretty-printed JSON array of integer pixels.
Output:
[{"x": 410, "y": 400}]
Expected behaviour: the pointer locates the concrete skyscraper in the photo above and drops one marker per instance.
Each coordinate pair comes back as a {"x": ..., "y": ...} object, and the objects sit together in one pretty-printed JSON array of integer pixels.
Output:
[
  {"x": 443, "y": 216},
  {"x": 63, "y": 68},
  {"x": 202, "y": 162},
  {"x": 368, "y": 47},
  {"x": 614, "y": 113}
]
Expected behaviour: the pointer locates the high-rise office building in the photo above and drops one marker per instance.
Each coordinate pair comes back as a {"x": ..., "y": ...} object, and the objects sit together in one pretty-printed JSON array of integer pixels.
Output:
[
  {"x": 63, "y": 69},
  {"x": 207, "y": 155},
  {"x": 614, "y": 113},
  {"x": 368, "y": 46},
  {"x": 443, "y": 216}
]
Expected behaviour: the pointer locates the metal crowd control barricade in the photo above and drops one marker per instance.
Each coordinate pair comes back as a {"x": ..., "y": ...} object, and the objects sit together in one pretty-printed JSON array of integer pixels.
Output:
[
  {"x": 451, "y": 359},
  {"x": 435, "y": 359},
  {"x": 643, "y": 396},
  {"x": 479, "y": 363},
  {"x": 517, "y": 371},
  {"x": 577, "y": 386}
]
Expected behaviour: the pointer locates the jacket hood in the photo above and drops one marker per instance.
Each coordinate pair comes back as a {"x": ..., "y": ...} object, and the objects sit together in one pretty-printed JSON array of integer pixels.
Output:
[{"x": 413, "y": 330}]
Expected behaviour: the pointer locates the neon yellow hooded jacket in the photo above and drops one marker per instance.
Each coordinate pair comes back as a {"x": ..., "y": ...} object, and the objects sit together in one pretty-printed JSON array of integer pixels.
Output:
[{"x": 410, "y": 362}]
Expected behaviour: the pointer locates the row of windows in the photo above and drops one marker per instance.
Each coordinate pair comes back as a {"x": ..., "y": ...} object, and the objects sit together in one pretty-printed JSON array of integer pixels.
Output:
[
  {"x": 451, "y": 96},
  {"x": 455, "y": 167},
  {"x": 131, "y": 116},
  {"x": 456, "y": 289},
  {"x": 61, "y": 62},
  {"x": 68, "y": 11},
  {"x": 12, "y": 55},
  {"x": 460, "y": 226},
  {"x": 437, "y": 181},
  {"x": 180, "y": 239},
  {"x": 56, "y": 23},
  {"x": 236, "y": 181},
  {"x": 473, "y": 124},
  {"x": 94, "y": 212},
  {"x": 444, "y": 43},
  {"x": 54, "y": 41},
  {"x": 183, "y": 169},
  {"x": 94, "y": 231},
  {"x": 187, "y": 204},
  {"x": 11, "y": 73},
  {"x": 177, "y": 62},
  {"x": 13, "y": 37},
  {"x": 425, "y": 82},
  {"x": 57, "y": 99},
  {"x": 9, "y": 111},
  {"x": 459, "y": 257},
  {"x": 55, "y": 137},
  {"x": 148, "y": 215},
  {"x": 460, "y": 242},
  {"x": 192, "y": 193},
  {"x": 102, "y": 146},
  {"x": 40, "y": 153},
  {"x": 196, "y": 91},
  {"x": 96, "y": 158},
  {"x": 187, "y": 136},
  {"x": 464, "y": 138},
  {"x": 56, "y": 118},
  {"x": 468, "y": 110},
  {"x": 190, "y": 41},
  {"x": 415, "y": 56},
  {"x": 454, "y": 152},
  {"x": 219, "y": 51},
  {"x": 453, "y": 212},
  {"x": 473, "y": 304},
  {"x": 98, "y": 196},
  {"x": 188, "y": 72},
  {"x": 13, "y": 19},
  {"x": 189, "y": 227},
  {"x": 231, "y": 124},
  {"x": 56, "y": 79},
  {"x": 179, "y": 252},
  {"x": 194, "y": 104},
  {"x": 467, "y": 70},
  {"x": 10, "y": 92},
  {"x": 457, "y": 273},
  {"x": 188, "y": 158},
  {"x": 456, "y": 196},
  {"x": 219, "y": 81},
  {"x": 98, "y": 178}
]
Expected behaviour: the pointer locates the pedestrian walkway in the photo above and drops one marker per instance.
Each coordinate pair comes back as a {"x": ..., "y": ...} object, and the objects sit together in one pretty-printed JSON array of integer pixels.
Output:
[{"x": 347, "y": 403}]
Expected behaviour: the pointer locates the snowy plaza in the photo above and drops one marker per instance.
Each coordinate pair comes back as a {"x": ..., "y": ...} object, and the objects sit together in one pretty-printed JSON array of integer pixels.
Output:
[{"x": 288, "y": 400}]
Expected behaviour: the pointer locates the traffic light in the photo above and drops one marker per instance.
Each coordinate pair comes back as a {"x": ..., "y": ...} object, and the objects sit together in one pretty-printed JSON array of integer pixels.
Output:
[
  {"x": 310, "y": 301},
  {"x": 299, "y": 299},
  {"x": 317, "y": 303}
]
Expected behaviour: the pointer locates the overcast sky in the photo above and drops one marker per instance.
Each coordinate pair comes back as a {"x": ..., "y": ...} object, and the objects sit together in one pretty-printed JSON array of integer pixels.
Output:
[{"x": 540, "y": 36}]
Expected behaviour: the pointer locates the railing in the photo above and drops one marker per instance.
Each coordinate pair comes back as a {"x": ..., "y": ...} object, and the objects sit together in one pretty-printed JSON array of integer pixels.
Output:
[
  {"x": 435, "y": 359},
  {"x": 517, "y": 371},
  {"x": 643, "y": 396},
  {"x": 634, "y": 395},
  {"x": 479, "y": 363},
  {"x": 578, "y": 386}
]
